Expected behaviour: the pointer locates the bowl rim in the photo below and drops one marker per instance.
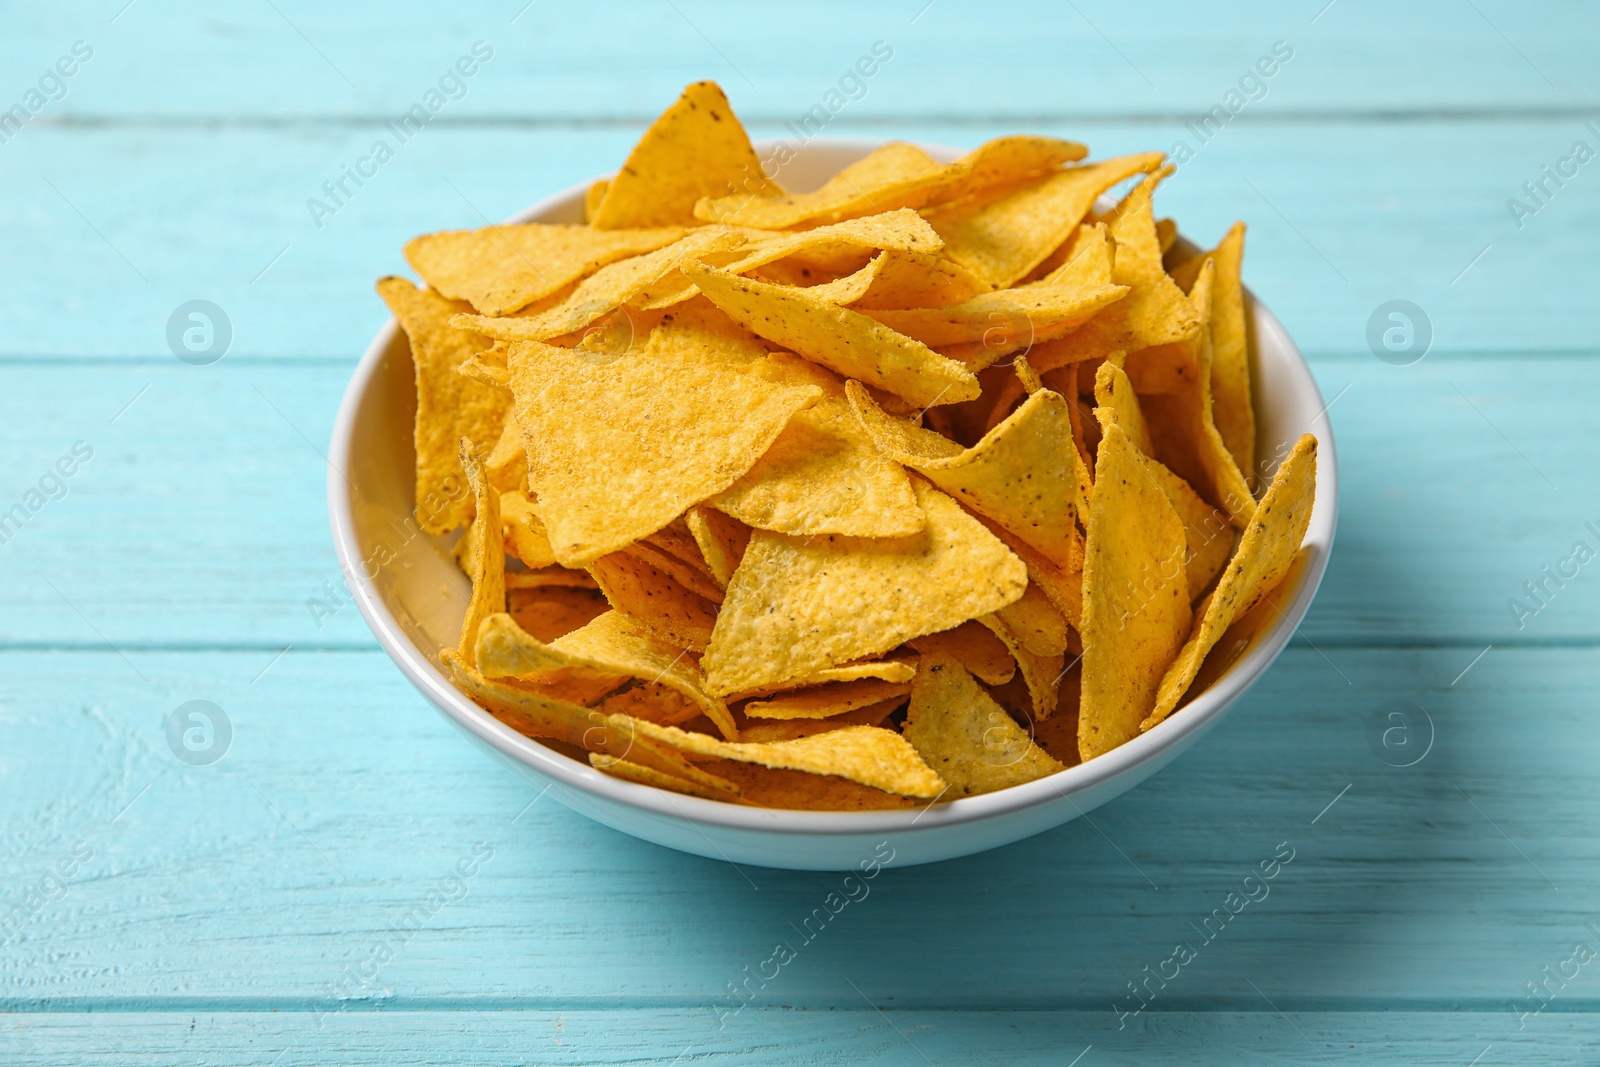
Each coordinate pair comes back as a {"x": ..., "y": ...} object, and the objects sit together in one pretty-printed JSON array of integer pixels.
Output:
[{"x": 558, "y": 768}]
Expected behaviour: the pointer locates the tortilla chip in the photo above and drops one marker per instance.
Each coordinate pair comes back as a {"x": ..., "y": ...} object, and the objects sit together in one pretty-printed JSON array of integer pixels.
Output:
[
  {"x": 1166, "y": 234},
  {"x": 1185, "y": 437},
  {"x": 795, "y": 607},
  {"x": 547, "y": 577},
  {"x": 823, "y": 475},
  {"x": 685, "y": 574},
  {"x": 993, "y": 319},
  {"x": 1154, "y": 313},
  {"x": 639, "y": 774},
  {"x": 611, "y": 644},
  {"x": 975, "y": 647},
  {"x": 654, "y": 600},
  {"x": 721, "y": 538},
  {"x": 897, "y": 175},
  {"x": 846, "y": 341},
  {"x": 886, "y": 670},
  {"x": 1038, "y": 624},
  {"x": 697, "y": 148},
  {"x": 592, "y": 197},
  {"x": 789, "y": 729},
  {"x": 603, "y": 484},
  {"x": 449, "y": 406},
  {"x": 1233, "y": 409},
  {"x": 1002, "y": 240},
  {"x": 507, "y": 463},
  {"x": 503, "y": 269},
  {"x": 551, "y": 611},
  {"x": 1266, "y": 552},
  {"x": 636, "y": 280},
  {"x": 1041, "y": 674},
  {"x": 914, "y": 280},
  {"x": 1114, "y": 393},
  {"x": 488, "y": 561},
  {"x": 538, "y": 715},
  {"x": 822, "y": 702},
  {"x": 1020, "y": 474},
  {"x": 1135, "y": 597},
  {"x": 866, "y": 754},
  {"x": 523, "y": 533},
  {"x": 966, "y": 737}
]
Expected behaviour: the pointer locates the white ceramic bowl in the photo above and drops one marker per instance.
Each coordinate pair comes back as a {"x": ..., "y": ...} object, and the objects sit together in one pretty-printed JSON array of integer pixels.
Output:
[{"x": 370, "y": 501}]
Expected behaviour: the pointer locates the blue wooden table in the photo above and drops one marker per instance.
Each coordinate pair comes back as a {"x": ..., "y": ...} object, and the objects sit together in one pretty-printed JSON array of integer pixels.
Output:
[{"x": 351, "y": 883}]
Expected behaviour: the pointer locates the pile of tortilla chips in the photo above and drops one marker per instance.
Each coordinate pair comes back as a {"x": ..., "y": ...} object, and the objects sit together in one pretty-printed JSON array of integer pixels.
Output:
[{"x": 929, "y": 482}]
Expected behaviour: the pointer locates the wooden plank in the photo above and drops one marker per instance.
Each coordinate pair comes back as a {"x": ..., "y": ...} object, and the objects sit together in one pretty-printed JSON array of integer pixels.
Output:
[
  {"x": 580, "y": 62},
  {"x": 1419, "y": 212},
  {"x": 201, "y": 518},
  {"x": 271, "y": 880},
  {"x": 640, "y": 1037}
]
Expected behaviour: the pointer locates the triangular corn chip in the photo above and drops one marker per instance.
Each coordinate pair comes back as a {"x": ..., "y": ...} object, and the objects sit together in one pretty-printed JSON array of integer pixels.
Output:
[
  {"x": 611, "y": 644},
  {"x": 845, "y": 341},
  {"x": 890, "y": 670},
  {"x": 1266, "y": 552},
  {"x": 1040, "y": 673},
  {"x": 487, "y": 556},
  {"x": 821, "y": 702},
  {"x": 866, "y": 754},
  {"x": 1233, "y": 409},
  {"x": 1002, "y": 240},
  {"x": 966, "y": 737},
  {"x": 797, "y": 606},
  {"x": 975, "y": 647},
  {"x": 603, "y": 484},
  {"x": 639, "y": 774},
  {"x": 1135, "y": 597},
  {"x": 686, "y": 574},
  {"x": 1020, "y": 475},
  {"x": 449, "y": 406},
  {"x": 654, "y": 600},
  {"x": 823, "y": 475},
  {"x": 721, "y": 539},
  {"x": 537, "y": 715},
  {"x": 503, "y": 269},
  {"x": 894, "y": 176},
  {"x": 914, "y": 280},
  {"x": 1185, "y": 437},
  {"x": 1024, "y": 313},
  {"x": 1154, "y": 313},
  {"x": 697, "y": 148},
  {"x": 1039, "y": 626},
  {"x": 607, "y": 289}
]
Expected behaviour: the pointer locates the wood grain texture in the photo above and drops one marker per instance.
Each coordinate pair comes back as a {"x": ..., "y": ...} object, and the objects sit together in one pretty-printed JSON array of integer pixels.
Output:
[{"x": 233, "y": 913}]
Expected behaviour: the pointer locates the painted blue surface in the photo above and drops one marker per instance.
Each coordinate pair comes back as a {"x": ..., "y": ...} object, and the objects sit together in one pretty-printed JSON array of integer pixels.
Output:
[{"x": 255, "y": 910}]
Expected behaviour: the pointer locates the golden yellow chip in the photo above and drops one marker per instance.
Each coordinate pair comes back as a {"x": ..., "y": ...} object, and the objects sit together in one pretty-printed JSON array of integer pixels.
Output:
[
  {"x": 1185, "y": 437},
  {"x": 797, "y": 606},
  {"x": 1233, "y": 410},
  {"x": 1155, "y": 311},
  {"x": 449, "y": 406},
  {"x": 823, "y": 475},
  {"x": 634, "y": 280},
  {"x": 592, "y": 197},
  {"x": 826, "y": 701},
  {"x": 612, "y": 644},
  {"x": 975, "y": 647},
  {"x": 1002, "y": 240},
  {"x": 721, "y": 540},
  {"x": 1020, "y": 475},
  {"x": 1266, "y": 552},
  {"x": 790, "y": 729},
  {"x": 966, "y": 737},
  {"x": 896, "y": 175},
  {"x": 639, "y": 774},
  {"x": 1040, "y": 673},
  {"x": 502, "y": 269},
  {"x": 538, "y": 715},
  {"x": 1135, "y": 597},
  {"x": 866, "y": 754},
  {"x": 654, "y": 600},
  {"x": 697, "y": 148},
  {"x": 890, "y": 670},
  {"x": 487, "y": 559},
  {"x": 845, "y": 341},
  {"x": 995, "y": 319},
  {"x": 915, "y": 280},
  {"x": 604, "y": 483},
  {"x": 686, "y": 574},
  {"x": 554, "y": 610},
  {"x": 1039, "y": 626}
]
